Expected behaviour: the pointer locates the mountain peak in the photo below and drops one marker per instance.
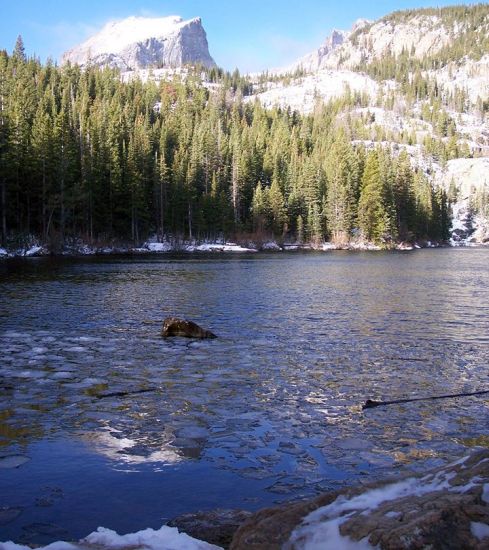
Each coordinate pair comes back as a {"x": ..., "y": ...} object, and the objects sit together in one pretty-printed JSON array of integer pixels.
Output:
[{"x": 140, "y": 42}]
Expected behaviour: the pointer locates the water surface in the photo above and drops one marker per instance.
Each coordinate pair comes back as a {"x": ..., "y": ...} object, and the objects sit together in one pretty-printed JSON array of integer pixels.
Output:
[{"x": 269, "y": 411}]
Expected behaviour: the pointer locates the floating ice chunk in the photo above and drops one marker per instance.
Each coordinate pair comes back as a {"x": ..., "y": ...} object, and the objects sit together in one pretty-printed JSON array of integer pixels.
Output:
[
  {"x": 30, "y": 374},
  {"x": 17, "y": 335},
  {"x": 192, "y": 432},
  {"x": 86, "y": 383},
  {"x": 479, "y": 530},
  {"x": 62, "y": 375},
  {"x": 13, "y": 461}
]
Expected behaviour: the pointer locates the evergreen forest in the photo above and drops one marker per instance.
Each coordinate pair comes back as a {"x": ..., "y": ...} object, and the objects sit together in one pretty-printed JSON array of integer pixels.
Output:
[{"x": 84, "y": 155}]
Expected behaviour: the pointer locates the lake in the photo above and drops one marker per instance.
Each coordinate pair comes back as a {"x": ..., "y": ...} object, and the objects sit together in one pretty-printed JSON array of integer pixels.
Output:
[{"x": 103, "y": 422}]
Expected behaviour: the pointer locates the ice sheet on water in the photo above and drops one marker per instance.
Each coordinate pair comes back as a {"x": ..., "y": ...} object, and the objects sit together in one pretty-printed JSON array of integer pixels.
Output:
[
  {"x": 12, "y": 461},
  {"x": 192, "y": 432},
  {"x": 62, "y": 375},
  {"x": 30, "y": 374},
  {"x": 17, "y": 335},
  {"x": 86, "y": 383}
]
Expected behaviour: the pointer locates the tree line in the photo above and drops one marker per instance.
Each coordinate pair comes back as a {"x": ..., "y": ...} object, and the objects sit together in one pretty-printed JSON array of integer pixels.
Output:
[{"x": 85, "y": 155}]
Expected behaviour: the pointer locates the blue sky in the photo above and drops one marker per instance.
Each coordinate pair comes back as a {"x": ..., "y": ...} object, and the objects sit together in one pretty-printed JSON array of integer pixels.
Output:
[{"x": 251, "y": 35}]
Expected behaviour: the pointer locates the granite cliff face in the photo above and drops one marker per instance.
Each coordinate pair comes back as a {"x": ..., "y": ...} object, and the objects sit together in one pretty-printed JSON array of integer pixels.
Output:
[{"x": 140, "y": 42}]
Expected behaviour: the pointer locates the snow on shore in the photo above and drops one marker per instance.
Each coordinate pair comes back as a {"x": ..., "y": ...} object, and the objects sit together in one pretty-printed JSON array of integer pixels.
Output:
[
  {"x": 152, "y": 247},
  {"x": 165, "y": 538}
]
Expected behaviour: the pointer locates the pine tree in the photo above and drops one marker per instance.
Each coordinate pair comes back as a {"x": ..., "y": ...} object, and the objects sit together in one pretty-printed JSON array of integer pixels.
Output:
[
  {"x": 19, "y": 50},
  {"x": 372, "y": 215}
]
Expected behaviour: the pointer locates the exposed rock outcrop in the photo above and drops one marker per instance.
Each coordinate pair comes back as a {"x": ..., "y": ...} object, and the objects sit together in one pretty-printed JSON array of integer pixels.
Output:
[
  {"x": 446, "y": 508},
  {"x": 140, "y": 42},
  {"x": 215, "y": 526},
  {"x": 172, "y": 326}
]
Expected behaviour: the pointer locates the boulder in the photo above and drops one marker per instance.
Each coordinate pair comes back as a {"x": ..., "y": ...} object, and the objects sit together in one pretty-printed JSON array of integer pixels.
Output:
[
  {"x": 172, "y": 326},
  {"x": 444, "y": 508},
  {"x": 214, "y": 526}
]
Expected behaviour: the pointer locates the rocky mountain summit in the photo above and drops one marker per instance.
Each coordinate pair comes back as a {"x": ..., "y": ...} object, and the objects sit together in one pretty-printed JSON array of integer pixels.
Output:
[{"x": 141, "y": 42}]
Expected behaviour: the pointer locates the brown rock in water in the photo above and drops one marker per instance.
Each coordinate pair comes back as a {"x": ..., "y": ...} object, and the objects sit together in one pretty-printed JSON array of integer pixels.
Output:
[
  {"x": 172, "y": 326},
  {"x": 214, "y": 526},
  {"x": 447, "y": 508}
]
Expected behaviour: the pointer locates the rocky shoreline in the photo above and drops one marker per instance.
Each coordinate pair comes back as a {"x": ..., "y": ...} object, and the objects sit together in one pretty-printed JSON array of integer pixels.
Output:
[
  {"x": 444, "y": 508},
  {"x": 447, "y": 507}
]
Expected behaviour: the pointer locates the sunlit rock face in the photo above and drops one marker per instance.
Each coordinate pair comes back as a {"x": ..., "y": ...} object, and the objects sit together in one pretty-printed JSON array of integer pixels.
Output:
[
  {"x": 140, "y": 42},
  {"x": 447, "y": 504}
]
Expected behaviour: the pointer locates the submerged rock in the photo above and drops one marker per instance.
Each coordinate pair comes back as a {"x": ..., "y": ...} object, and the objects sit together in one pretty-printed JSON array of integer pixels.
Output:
[
  {"x": 8, "y": 514},
  {"x": 215, "y": 526},
  {"x": 445, "y": 508},
  {"x": 172, "y": 326}
]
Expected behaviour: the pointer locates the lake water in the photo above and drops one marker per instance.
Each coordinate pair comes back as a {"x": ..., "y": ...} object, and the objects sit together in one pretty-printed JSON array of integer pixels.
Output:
[{"x": 269, "y": 411}]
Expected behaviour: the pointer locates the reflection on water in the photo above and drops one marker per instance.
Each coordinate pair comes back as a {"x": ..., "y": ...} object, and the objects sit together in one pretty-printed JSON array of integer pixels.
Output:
[{"x": 271, "y": 410}]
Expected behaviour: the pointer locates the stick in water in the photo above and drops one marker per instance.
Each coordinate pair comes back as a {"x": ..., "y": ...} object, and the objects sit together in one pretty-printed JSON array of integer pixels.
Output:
[{"x": 370, "y": 404}]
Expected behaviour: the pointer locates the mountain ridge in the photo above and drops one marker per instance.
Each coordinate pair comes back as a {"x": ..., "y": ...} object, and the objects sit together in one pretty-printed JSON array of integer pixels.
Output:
[{"x": 142, "y": 42}]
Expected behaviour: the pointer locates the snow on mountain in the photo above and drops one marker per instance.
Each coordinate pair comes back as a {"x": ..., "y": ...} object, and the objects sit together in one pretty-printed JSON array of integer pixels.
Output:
[
  {"x": 139, "y": 42},
  {"x": 302, "y": 93},
  {"x": 312, "y": 61},
  {"x": 469, "y": 75}
]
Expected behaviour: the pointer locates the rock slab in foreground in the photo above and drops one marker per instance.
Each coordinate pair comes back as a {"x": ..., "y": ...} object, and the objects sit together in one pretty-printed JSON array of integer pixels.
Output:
[
  {"x": 172, "y": 326},
  {"x": 215, "y": 526},
  {"x": 447, "y": 508}
]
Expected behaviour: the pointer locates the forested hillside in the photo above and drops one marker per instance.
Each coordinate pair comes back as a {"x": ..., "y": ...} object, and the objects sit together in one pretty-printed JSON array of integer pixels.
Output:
[{"x": 85, "y": 155}]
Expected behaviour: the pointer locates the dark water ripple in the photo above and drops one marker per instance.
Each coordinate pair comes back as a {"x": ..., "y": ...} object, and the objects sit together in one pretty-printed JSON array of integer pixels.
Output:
[{"x": 269, "y": 411}]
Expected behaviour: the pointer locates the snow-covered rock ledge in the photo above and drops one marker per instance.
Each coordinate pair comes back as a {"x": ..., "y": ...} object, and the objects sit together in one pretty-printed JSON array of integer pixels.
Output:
[{"x": 447, "y": 505}]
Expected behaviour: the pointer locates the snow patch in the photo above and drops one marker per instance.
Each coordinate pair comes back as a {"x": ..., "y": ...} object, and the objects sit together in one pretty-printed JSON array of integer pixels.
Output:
[
  {"x": 165, "y": 538},
  {"x": 485, "y": 493},
  {"x": 479, "y": 530},
  {"x": 302, "y": 94},
  {"x": 213, "y": 247},
  {"x": 35, "y": 250},
  {"x": 270, "y": 245},
  {"x": 158, "y": 247},
  {"x": 321, "y": 528}
]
